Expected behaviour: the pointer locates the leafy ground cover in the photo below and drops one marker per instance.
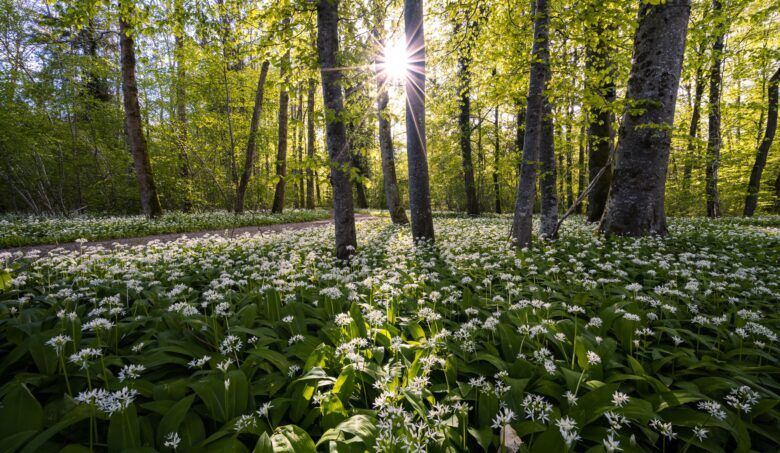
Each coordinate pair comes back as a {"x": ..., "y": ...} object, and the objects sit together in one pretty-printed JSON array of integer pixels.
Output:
[
  {"x": 268, "y": 344},
  {"x": 16, "y": 231}
]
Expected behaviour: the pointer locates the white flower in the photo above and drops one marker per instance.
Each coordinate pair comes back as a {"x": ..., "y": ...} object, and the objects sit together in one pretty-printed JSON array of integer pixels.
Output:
[
  {"x": 504, "y": 417},
  {"x": 568, "y": 430},
  {"x": 713, "y": 408},
  {"x": 620, "y": 399},
  {"x": 131, "y": 372},
  {"x": 700, "y": 433},
  {"x": 58, "y": 342},
  {"x": 742, "y": 398},
  {"x": 264, "y": 408},
  {"x": 172, "y": 440},
  {"x": 571, "y": 398},
  {"x": 198, "y": 363},
  {"x": 611, "y": 444},
  {"x": 537, "y": 409},
  {"x": 593, "y": 358},
  {"x": 665, "y": 428}
]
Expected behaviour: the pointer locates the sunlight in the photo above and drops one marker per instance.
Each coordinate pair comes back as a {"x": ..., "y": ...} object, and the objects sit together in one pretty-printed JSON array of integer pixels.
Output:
[{"x": 396, "y": 63}]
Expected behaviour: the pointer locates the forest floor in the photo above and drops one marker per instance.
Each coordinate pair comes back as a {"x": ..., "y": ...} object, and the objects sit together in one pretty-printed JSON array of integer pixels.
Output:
[{"x": 170, "y": 237}]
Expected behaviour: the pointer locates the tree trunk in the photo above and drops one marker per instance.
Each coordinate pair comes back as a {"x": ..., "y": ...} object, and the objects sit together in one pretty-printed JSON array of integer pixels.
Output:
[
  {"x": 281, "y": 144},
  {"x": 338, "y": 147},
  {"x": 548, "y": 176},
  {"x": 580, "y": 167},
  {"x": 570, "y": 156},
  {"x": 763, "y": 150},
  {"x": 251, "y": 143},
  {"x": 693, "y": 131},
  {"x": 713, "y": 116},
  {"x": 464, "y": 123},
  {"x": 301, "y": 195},
  {"x": 600, "y": 129},
  {"x": 419, "y": 190},
  {"x": 536, "y": 109},
  {"x": 390, "y": 181},
  {"x": 497, "y": 161},
  {"x": 150, "y": 204},
  {"x": 181, "y": 113},
  {"x": 777, "y": 194},
  {"x": 636, "y": 202},
  {"x": 310, "y": 137}
]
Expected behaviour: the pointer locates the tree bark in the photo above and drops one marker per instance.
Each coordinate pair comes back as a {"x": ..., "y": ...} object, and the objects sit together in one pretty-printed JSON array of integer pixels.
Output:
[
  {"x": 547, "y": 179},
  {"x": 600, "y": 128},
  {"x": 389, "y": 178},
  {"x": 580, "y": 167},
  {"x": 301, "y": 195},
  {"x": 777, "y": 194},
  {"x": 338, "y": 147},
  {"x": 251, "y": 143},
  {"x": 464, "y": 120},
  {"x": 497, "y": 161},
  {"x": 281, "y": 144},
  {"x": 416, "y": 150},
  {"x": 181, "y": 107},
  {"x": 535, "y": 112},
  {"x": 693, "y": 131},
  {"x": 636, "y": 202},
  {"x": 754, "y": 184},
  {"x": 150, "y": 203},
  {"x": 713, "y": 115},
  {"x": 310, "y": 137}
]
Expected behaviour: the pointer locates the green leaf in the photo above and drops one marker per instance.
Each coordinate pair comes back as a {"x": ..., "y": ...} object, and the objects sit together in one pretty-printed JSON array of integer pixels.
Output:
[
  {"x": 123, "y": 430},
  {"x": 76, "y": 415},
  {"x": 20, "y": 411},
  {"x": 173, "y": 418},
  {"x": 483, "y": 436},
  {"x": 361, "y": 427},
  {"x": 292, "y": 439}
]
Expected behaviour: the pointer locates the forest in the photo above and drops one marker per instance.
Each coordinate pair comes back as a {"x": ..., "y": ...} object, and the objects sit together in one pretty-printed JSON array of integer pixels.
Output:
[{"x": 389, "y": 225}]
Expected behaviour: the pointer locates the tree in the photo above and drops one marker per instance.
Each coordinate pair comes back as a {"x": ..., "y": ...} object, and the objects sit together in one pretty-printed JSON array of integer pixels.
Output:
[
  {"x": 693, "y": 130},
  {"x": 281, "y": 144},
  {"x": 251, "y": 143},
  {"x": 310, "y": 138},
  {"x": 419, "y": 187},
  {"x": 335, "y": 130},
  {"x": 497, "y": 160},
  {"x": 636, "y": 202},
  {"x": 150, "y": 203},
  {"x": 181, "y": 103},
  {"x": 601, "y": 81},
  {"x": 465, "y": 27},
  {"x": 763, "y": 149},
  {"x": 389, "y": 178},
  {"x": 536, "y": 109},
  {"x": 713, "y": 114}
]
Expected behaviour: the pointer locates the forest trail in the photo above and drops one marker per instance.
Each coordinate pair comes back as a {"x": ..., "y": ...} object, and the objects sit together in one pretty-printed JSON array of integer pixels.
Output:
[{"x": 170, "y": 237}]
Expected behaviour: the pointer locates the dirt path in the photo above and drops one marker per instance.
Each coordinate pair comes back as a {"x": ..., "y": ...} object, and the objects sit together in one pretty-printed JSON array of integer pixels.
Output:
[{"x": 170, "y": 237}]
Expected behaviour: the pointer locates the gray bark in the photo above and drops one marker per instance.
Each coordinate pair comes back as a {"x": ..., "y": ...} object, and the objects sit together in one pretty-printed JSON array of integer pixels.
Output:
[
  {"x": 338, "y": 148},
  {"x": 536, "y": 109},
  {"x": 713, "y": 115},
  {"x": 754, "y": 185},
  {"x": 416, "y": 150},
  {"x": 281, "y": 144},
  {"x": 600, "y": 129},
  {"x": 636, "y": 202},
  {"x": 251, "y": 143},
  {"x": 310, "y": 144},
  {"x": 150, "y": 203}
]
